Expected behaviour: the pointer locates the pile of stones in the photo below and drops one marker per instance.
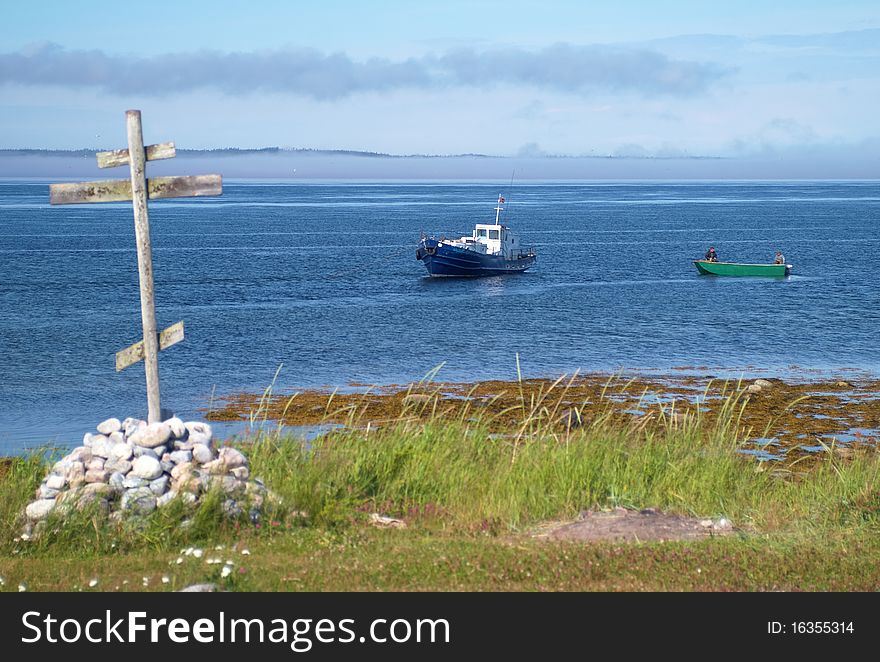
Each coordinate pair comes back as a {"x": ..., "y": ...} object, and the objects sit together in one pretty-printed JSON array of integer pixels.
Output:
[{"x": 130, "y": 468}]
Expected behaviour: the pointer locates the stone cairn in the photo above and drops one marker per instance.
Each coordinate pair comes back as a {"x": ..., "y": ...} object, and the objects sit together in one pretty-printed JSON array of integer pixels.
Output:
[{"x": 132, "y": 468}]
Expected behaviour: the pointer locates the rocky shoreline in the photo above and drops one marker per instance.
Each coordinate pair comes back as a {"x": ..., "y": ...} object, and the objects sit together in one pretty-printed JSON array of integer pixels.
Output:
[{"x": 791, "y": 416}]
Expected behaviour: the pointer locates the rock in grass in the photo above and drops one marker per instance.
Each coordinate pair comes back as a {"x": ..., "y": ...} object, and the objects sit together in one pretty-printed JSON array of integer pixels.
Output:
[
  {"x": 231, "y": 508},
  {"x": 109, "y": 426},
  {"x": 40, "y": 509},
  {"x": 202, "y": 454},
  {"x": 763, "y": 383},
  {"x": 46, "y": 492},
  {"x": 754, "y": 388},
  {"x": 385, "y": 522},
  {"x": 131, "y": 481},
  {"x": 160, "y": 485},
  {"x": 232, "y": 458},
  {"x": 97, "y": 476},
  {"x": 240, "y": 473},
  {"x": 146, "y": 467},
  {"x": 199, "y": 588},
  {"x": 55, "y": 481},
  {"x": 151, "y": 436},
  {"x": 166, "y": 498},
  {"x": 117, "y": 481},
  {"x": 140, "y": 501}
]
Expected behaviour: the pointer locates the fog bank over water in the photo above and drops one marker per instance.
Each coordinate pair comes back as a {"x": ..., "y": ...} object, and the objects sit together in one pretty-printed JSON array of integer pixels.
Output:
[{"x": 803, "y": 163}]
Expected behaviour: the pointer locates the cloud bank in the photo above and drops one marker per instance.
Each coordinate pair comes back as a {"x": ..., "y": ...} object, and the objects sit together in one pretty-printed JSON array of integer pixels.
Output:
[{"x": 310, "y": 73}]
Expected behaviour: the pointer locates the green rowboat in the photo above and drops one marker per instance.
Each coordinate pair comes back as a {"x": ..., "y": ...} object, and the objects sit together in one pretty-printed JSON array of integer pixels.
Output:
[{"x": 735, "y": 269}]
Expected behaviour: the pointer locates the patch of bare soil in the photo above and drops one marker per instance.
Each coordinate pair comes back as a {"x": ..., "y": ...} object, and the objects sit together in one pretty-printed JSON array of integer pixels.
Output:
[{"x": 623, "y": 525}]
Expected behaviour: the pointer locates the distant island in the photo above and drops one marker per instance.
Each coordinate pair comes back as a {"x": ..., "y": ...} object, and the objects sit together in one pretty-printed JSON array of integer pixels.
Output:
[{"x": 317, "y": 164}]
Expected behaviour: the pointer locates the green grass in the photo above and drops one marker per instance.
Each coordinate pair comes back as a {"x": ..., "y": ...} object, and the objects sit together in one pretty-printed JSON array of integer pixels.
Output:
[{"x": 470, "y": 498}]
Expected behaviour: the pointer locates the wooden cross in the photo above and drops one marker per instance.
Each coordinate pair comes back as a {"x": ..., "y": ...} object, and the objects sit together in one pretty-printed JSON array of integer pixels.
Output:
[{"x": 138, "y": 189}]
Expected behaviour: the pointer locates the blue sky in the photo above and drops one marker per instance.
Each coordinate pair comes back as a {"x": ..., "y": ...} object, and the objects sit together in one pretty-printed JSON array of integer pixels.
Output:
[{"x": 733, "y": 79}]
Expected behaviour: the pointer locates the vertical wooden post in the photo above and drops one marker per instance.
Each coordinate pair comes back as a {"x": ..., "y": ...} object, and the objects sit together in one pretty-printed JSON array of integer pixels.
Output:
[{"x": 137, "y": 162}]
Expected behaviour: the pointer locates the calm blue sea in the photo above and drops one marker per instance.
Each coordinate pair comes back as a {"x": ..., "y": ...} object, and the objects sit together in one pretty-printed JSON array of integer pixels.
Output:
[{"x": 321, "y": 279}]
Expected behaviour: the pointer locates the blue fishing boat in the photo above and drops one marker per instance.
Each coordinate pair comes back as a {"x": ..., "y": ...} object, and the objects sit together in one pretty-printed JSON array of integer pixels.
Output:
[{"x": 491, "y": 250}]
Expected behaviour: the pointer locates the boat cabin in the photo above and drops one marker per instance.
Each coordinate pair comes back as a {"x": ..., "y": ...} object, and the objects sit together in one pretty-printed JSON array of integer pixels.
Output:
[{"x": 497, "y": 239}]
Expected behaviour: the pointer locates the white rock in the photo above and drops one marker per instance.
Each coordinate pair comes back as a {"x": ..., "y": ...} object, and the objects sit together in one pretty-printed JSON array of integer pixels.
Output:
[
  {"x": 101, "y": 445},
  {"x": 97, "y": 476},
  {"x": 151, "y": 436},
  {"x": 130, "y": 482},
  {"x": 137, "y": 451},
  {"x": 55, "y": 482},
  {"x": 241, "y": 473},
  {"x": 179, "y": 457},
  {"x": 118, "y": 466},
  {"x": 95, "y": 464},
  {"x": 46, "y": 492},
  {"x": 763, "y": 383},
  {"x": 39, "y": 510},
  {"x": 232, "y": 458},
  {"x": 122, "y": 451},
  {"x": 129, "y": 425},
  {"x": 202, "y": 454},
  {"x": 199, "y": 588},
  {"x": 723, "y": 524},
  {"x": 146, "y": 467},
  {"x": 109, "y": 426},
  {"x": 215, "y": 467},
  {"x": 117, "y": 437},
  {"x": 87, "y": 439},
  {"x": 385, "y": 522},
  {"x": 166, "y": 498},
  {"x": 81, "y": 454},
  {"x": 182, "y": 469},
  {"x": 94, "y": 581},
  {"x": 178, "y": 428},
  {"x": 199, "y": 433},
  {"x": 754, "y": 388}
]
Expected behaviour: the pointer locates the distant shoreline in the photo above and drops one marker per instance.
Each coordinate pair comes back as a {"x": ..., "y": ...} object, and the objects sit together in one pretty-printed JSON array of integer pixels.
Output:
[{"x": 298, "y": 164}]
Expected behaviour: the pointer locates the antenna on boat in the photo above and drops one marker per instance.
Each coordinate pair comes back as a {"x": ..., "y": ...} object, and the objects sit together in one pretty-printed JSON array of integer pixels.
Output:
[{"x": 510, "y": 187}]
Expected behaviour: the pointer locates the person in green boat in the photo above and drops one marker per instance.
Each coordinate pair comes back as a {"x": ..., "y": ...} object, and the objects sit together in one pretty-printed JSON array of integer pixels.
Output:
[
  {"x": 711, "y": 255},
  {"x": 780, "y": 258}
]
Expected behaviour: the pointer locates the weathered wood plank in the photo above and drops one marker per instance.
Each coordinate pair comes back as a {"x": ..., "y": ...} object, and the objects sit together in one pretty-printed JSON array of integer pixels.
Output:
[
  {"x": 119, "y": 157},
  {"x": 118, "y": 190},
  {"x": 191, "y": 186},
  {"x": 109, "y": 190},
  {"x": 138, "y": 169},
  {"x": 134, "y": 353}
]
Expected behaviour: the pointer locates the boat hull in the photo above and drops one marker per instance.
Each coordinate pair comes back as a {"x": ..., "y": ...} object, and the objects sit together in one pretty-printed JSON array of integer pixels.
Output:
[
  {"x": 441, "y": 259},
  {"x": 736, "y": 269}
]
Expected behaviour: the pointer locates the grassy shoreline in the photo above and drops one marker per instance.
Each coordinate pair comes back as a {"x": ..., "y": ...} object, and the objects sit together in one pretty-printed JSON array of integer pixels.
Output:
[{"x": 472, "y": 486}]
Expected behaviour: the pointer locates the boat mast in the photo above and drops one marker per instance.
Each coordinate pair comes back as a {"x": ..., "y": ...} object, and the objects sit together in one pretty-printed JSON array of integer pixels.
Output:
[{"x": 499, "y": 209}]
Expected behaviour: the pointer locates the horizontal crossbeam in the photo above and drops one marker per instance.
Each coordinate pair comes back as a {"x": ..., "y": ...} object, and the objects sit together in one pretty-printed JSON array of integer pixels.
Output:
[
  {"x": 120, "y": 157},
  {"x": 134, "y": 353},
  {"x": 119, "y": 190}
]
